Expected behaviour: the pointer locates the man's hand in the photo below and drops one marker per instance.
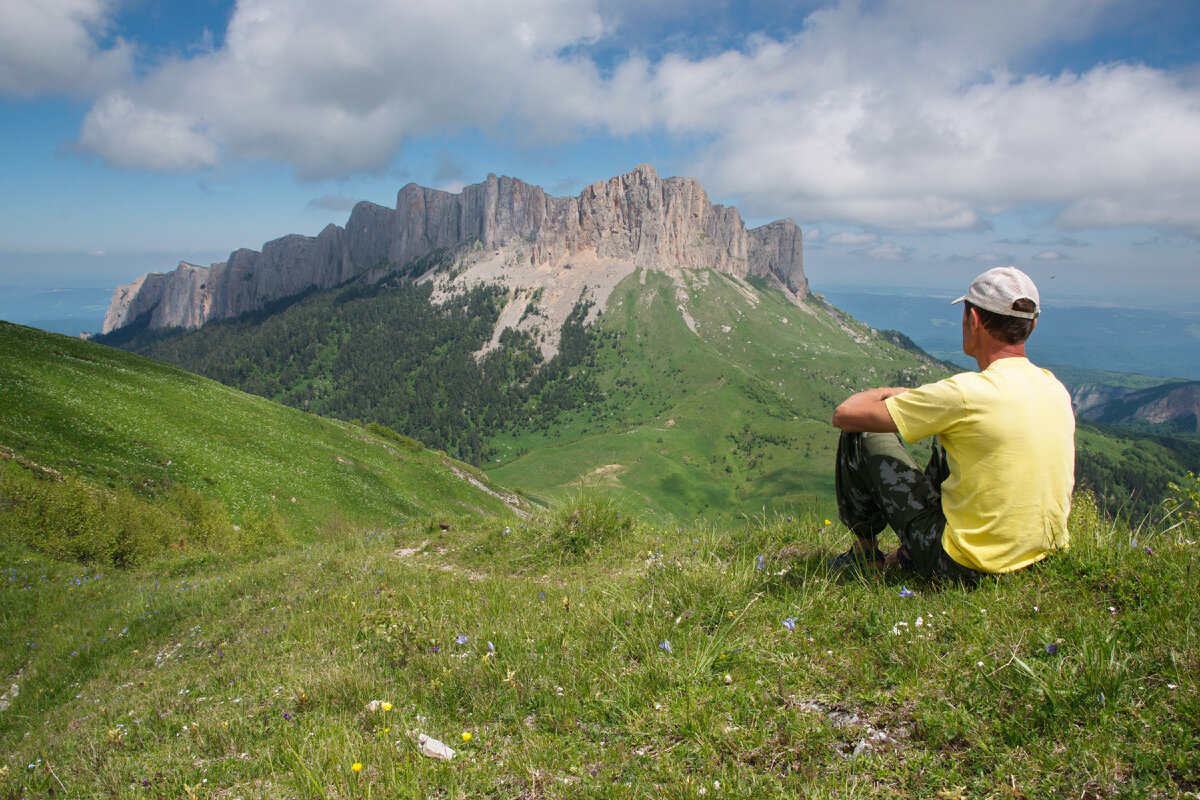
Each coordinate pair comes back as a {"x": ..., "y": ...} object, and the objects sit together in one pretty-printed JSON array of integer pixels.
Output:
[{"x": 866, "y": 412}]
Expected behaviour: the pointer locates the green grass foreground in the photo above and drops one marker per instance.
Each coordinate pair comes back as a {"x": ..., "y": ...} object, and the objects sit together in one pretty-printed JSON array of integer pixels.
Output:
[{"x": 587, "y": 654}]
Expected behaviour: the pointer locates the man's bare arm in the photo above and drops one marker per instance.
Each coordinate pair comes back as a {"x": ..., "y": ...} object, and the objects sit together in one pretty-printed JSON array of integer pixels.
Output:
[{"x": 866, "y": 412}]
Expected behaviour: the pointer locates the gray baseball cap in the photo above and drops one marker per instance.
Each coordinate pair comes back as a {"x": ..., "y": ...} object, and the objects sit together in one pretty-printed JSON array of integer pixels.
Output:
[{"x": 997, "y": 289}]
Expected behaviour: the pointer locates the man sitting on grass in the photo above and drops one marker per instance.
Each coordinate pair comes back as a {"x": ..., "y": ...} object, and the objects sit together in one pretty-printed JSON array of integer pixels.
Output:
[{"x": 997, "y": 491}]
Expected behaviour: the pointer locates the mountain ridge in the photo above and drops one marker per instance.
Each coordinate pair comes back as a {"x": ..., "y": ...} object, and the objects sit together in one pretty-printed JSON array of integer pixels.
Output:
[{"x": 633, "y": 220}]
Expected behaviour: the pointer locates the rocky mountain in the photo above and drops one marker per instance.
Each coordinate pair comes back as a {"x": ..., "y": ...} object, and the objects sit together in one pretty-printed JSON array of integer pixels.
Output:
[
  {"x": 1174, "y": 405},
  {"x": 503, "y": 231}
]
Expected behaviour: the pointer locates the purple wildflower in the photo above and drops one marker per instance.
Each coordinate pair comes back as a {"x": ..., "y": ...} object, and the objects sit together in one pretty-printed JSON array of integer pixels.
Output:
[
  {"x": 665, "y": 644},
  {"x": 905, "y": 591},
  {"x": 491, "y": 647},
  {"x": 790, "y": 623},
  {"x": 461, "y": 639},
  {"x": 1051, "y": 649},
  {"x": 435, "y": 649},
  {"x": 760, "y": 564}
]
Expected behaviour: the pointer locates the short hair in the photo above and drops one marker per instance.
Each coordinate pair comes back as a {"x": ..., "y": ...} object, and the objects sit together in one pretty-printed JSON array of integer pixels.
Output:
[{"x": 1011, "y": 330}]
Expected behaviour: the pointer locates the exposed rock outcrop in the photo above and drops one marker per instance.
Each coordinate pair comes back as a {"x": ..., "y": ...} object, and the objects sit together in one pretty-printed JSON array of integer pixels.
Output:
[
  {"x": 1175, "y": 405},
  {"x": 637, "y": 220}
]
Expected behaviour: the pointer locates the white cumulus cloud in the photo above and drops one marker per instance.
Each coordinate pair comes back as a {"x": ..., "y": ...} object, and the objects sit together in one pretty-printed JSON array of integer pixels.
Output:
[
  {"x": 900, "y": 115},
  {"x": 52, "y": 46},
  {"x": 336, "y": 88}
]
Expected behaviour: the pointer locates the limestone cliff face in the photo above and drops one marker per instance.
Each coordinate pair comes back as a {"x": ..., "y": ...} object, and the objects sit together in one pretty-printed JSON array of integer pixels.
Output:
[{"x": 638, "y": 219}]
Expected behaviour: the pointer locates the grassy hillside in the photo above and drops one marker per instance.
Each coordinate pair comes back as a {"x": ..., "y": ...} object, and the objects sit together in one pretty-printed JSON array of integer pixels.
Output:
[
  {"x": 695, "y": 395},
  {"x": 144, "y": 431},
  {"x": 726, "y": 416},
  {"x": 582, "y": 654},
  {"x": 587, "y": 652}
]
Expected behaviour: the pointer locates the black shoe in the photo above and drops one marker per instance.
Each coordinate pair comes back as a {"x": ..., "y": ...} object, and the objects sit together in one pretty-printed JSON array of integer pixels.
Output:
[{"x": 858, "y": 560}]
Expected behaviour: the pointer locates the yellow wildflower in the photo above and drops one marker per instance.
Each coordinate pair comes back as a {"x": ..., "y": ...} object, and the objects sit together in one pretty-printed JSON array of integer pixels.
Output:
[
  {"x": 466, "y": 736},
  {"x": 357, "y": 767}
]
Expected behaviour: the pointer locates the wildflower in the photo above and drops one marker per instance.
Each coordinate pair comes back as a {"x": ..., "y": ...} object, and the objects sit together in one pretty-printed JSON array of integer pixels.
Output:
[
  {"x": 461, "y": 639},
  {"x": 760, "y": 564},
  {"x": 905, "y": 591},
  {"x": 541, "y": 595},
  {"x": 435, "y": 649},
  {"x": 466, "y": 736},
  {"x": 386, "y": 706},
  {"x": 491, "y": 647},
  {"x": 790, "y": 623},
  {"x": 287, "y": 716},
  {"x": 357, "y": 767},
  {"x": 827, "y": 522},
  {"x": 665, "y": 644},
  {"x": 1051, "y": 649},
  {"x": 1148, "y": 550}
]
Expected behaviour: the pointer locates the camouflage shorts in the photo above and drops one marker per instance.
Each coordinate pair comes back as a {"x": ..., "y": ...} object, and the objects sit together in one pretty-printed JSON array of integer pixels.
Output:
[{"x": 879, "y": 485}]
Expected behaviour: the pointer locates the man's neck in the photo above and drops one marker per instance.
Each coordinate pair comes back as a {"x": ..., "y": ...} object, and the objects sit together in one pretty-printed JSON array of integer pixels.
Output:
[{"x": 990, "y": 355}]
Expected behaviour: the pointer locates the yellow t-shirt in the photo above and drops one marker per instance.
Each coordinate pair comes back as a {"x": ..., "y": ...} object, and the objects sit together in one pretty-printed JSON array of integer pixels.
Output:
[{"x": 1009, "y": 435}]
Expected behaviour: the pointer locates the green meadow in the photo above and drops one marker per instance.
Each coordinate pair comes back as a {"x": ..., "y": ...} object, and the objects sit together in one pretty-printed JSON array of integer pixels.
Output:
[
  {"x": 173, "y": 625},
  {"x": 585, "y": 653},
  {"x": 717, "y": 396}
]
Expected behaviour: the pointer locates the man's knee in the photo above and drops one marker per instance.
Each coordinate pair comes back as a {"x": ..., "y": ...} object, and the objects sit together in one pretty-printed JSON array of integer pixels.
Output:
[{"x": 884, "y": 445}]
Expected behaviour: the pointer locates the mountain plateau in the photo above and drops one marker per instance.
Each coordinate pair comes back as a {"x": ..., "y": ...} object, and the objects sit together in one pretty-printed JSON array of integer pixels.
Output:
[{"x": 501, "y": 231}]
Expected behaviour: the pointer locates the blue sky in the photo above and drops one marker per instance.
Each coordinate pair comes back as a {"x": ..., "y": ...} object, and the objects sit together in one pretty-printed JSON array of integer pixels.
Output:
[{"x": 916, "y": 142}]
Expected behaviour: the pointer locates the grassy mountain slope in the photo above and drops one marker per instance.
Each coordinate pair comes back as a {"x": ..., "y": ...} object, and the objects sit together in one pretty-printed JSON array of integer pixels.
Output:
[
  {"x": 725, "y": 664},
  {"x": 123, "y": 422},
  {"x": 721, "y": 408},
  {"x": 695, "y": 394}
]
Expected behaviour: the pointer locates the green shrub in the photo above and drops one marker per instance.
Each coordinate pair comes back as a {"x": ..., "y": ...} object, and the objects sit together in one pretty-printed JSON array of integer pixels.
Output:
[
  {"x": 71, "y": 520},
  {"x": 262, "y": 530},
  {"x": 204, "y": 521}
]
